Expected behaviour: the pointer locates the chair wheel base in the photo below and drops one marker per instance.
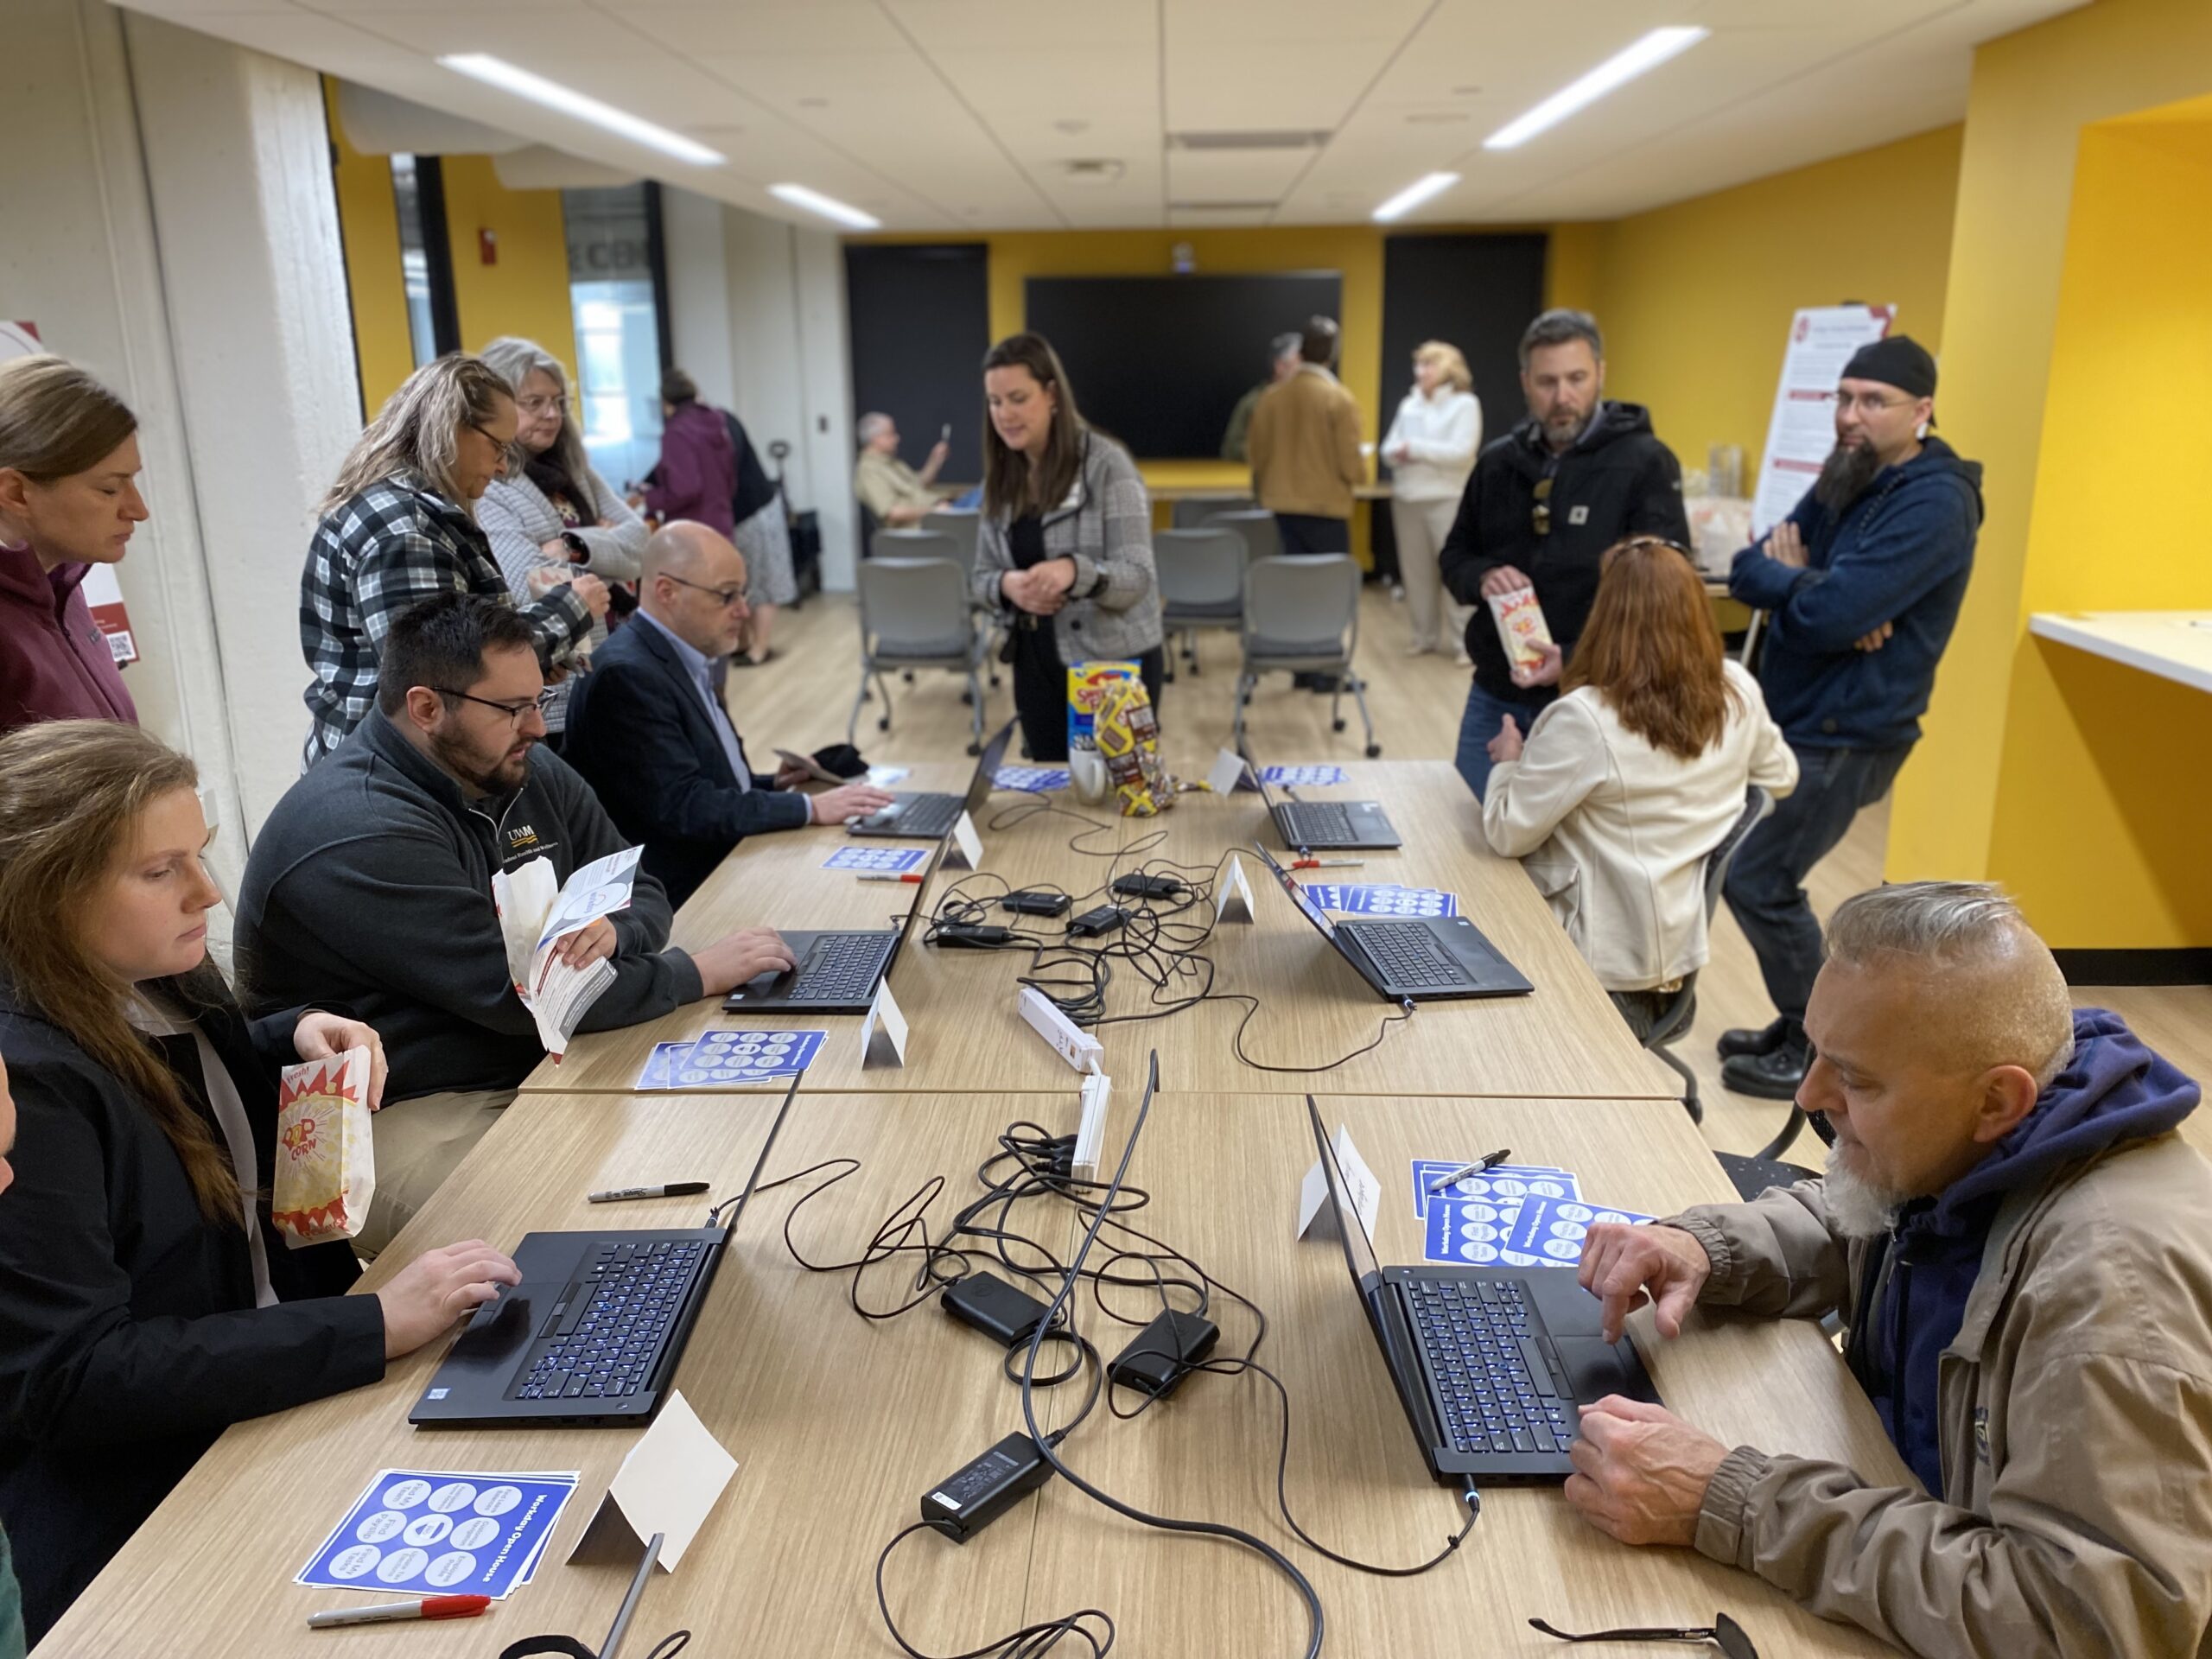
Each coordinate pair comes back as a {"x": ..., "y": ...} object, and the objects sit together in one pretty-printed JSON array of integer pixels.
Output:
[
  {"x": 966, "y": 697},
  {"x": 1335, "y": 725},
  {"x": 883, "y": 725},
  {"x": 1374, "y": 749},
  {"x": 975, "y": 748},
  {"x": 1695, "y": 1108}
]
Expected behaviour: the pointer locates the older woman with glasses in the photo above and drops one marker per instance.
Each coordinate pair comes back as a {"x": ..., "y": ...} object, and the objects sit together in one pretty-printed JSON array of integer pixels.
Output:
[
  {"x": 399, "y": 524},
  {"x": 552, "y": 517}
]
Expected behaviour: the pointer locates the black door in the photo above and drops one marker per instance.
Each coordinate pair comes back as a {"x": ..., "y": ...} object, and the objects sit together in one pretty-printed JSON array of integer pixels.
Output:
[{"x": 920, "y": 323}]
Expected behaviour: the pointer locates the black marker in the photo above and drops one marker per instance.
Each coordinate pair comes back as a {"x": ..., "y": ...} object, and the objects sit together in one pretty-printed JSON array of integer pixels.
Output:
[
  {"x": 1491, "y": 1161},
  {"x": 672, "y": 1189}
]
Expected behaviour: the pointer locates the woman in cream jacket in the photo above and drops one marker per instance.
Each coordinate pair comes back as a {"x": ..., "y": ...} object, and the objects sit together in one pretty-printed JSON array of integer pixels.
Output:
[
  {"x": 1626, "y": 784},
  {"x": 1431, "y": 447}
]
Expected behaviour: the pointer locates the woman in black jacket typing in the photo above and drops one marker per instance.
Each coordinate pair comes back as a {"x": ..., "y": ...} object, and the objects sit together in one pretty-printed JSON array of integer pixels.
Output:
[{"x": 145, "y": 1300}]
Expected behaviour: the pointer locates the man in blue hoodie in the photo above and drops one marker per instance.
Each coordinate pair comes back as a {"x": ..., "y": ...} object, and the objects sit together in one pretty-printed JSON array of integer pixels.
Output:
[
  {"x": 2021, "y": 1247},
  {"x": 1862, "y": 583}
]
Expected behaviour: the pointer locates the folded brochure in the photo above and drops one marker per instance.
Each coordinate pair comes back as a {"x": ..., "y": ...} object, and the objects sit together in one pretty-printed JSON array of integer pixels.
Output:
[{"x": 535, "y": 918}]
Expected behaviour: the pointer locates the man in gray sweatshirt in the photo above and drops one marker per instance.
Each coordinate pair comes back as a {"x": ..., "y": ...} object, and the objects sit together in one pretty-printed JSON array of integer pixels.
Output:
[{"x": 369, "y": 888}]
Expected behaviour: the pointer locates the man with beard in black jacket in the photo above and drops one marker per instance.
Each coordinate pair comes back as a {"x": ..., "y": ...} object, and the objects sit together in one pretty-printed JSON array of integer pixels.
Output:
[{"x": 1545, "y": 502}]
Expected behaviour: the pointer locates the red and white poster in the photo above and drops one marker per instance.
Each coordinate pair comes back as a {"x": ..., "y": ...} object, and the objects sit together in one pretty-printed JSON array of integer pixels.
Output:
[
  {"x": 1801, "y": 430},
  {"x": 102, "y": 595}
]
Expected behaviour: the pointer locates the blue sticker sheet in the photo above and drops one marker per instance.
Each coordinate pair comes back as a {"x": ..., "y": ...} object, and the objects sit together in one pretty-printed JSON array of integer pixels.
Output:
[
  {"x": 1383, "y": 901},
  {"x": 1037, "y": 779},
  {"x": 1472, "y": 1232},
  {"x": 1551, "y": 1230},
  {"x": 724, "y": 1059},
  {"x": 427, "y": 1534},
  {"x": 656, "y": 1074},
  {"x": 1313, "y": 777},
  {"x": 1514, "y": 1181},
  {"x": 882, "y": 861}
]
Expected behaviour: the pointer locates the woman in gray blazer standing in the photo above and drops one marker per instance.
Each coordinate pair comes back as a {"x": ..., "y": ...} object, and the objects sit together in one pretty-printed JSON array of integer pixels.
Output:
[
  {"x": 553, "y": 515},
  {"x": 1063, "y": 550}
]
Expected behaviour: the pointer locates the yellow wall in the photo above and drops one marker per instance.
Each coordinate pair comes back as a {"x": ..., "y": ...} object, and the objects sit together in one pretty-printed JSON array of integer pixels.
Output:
[
  {"x": 526, "y": 293},
  {"x": 2055, "y": 774},
  {"x": 370, "y": 225},
  {"x": 1695, "y": 299}
]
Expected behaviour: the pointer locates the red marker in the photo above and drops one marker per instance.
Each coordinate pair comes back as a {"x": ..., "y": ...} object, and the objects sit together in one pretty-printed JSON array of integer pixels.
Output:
[
  {"x": 910, "y": 879},
  {"x": 391, "y": 1612},
  {"x": 1327, "y": 863}
]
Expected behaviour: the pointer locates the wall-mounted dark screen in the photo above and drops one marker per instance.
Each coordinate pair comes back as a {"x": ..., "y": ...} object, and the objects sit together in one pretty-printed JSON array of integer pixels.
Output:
[
  {"x": 1161, "y": 361},
  {"x": 920, "y": 319}
]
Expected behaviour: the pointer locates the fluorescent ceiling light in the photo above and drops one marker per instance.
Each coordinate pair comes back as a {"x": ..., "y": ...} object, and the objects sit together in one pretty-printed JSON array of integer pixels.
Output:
[
  {"x": 498, "y": 72},
  {"x": 1619, "y": 70},
  {"x": 828, "y": 206},
  {"x": 1415, "y": 193}
]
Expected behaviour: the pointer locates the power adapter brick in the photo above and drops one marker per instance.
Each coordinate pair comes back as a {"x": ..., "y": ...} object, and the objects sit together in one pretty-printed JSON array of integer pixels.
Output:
[
  {"x": 963, "y": 1504},
  {"x": 1158, "y": 1357},
  {"x": 994, "y": 1307}
]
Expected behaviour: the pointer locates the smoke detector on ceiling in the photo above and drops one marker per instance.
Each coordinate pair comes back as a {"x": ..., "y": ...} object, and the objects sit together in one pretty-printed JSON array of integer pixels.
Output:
[{"x": 1096, "y": 172}]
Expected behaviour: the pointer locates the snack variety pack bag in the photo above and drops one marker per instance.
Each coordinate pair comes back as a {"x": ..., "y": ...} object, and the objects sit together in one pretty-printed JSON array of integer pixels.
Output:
[
  {"x": 1088, "y": 685},
  {"x": 1127, "y": 735},
  {"x": 326, "y": 1170},
  {"x": 1520, "y": 627}
]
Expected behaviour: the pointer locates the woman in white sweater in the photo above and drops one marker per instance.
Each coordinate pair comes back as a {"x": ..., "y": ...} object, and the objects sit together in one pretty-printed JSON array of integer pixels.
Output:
[
  {"x": 553, "y": 515},
  {"x": 1431, "y": 447},
  {"x": 1626, "y": 783}
]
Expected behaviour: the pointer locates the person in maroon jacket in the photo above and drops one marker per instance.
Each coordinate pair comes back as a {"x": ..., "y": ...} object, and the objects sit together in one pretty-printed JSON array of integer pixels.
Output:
[
  {"x": 68, "y": 500},
  {"x": 697, "y": 475}
]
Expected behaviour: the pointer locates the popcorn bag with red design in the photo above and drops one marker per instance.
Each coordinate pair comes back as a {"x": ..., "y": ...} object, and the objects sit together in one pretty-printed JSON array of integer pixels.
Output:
[{"x": 326, "y": 1159}]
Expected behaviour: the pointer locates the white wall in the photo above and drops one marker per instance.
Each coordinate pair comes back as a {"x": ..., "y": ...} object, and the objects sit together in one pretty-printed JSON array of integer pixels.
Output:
[
  {"x": 169, "y": 223},
  {"x": 757, "y": 315}
]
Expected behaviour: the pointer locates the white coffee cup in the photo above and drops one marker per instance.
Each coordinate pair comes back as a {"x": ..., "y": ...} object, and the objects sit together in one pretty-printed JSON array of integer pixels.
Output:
[{"x": 1087, "y": 773}]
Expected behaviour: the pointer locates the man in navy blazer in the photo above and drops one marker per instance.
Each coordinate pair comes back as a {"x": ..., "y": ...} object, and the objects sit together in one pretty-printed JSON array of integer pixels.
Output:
[{"x": 647, "y": 731}]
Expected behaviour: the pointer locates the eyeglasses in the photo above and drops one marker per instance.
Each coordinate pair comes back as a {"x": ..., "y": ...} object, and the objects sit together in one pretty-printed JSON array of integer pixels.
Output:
[
  {"x": 1542, "y": 516},
  {"x": 725, "y": 597},
  {"x": 1866, "y": 403},
  {"x": 1654, "y": 541},
  {"x": 1725, "y": 1634},
  {"x": 499, "y": 444},
  {"x": 534, "y": 407},
  {"x": 514, "y": 711}
]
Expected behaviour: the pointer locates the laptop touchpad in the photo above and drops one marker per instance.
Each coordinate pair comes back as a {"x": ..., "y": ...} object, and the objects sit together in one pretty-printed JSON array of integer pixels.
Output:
[{"x": 1597, "y": 1369}]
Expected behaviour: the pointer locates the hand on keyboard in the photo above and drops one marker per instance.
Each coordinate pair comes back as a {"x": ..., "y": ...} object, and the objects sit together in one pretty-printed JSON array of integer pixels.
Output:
[
  {"x": 427, "y": 1295},
  {"x": 746, "y": 954}
]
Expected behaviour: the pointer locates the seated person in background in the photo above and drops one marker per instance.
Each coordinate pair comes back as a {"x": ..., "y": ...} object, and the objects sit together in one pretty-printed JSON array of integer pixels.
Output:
[
  {"x": 897, "y": 494},
  {"x": 649, "y": 735},
  {"x": 1627, "y": 782},
  {"x": 2023, "y": 1249},
  {"x": 370, "y": 885},
  {"x": 146, "y": 1303},
  {"x": 1283, "y": 362}
]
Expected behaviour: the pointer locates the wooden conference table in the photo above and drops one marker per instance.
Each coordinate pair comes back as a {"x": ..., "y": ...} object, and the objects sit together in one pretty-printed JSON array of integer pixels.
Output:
[{"x": 840, "y": 1424}]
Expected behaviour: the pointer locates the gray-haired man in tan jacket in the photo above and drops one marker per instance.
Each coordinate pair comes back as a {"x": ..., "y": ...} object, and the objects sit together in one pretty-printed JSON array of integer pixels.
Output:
[{"x": 2021, "y": 1247}]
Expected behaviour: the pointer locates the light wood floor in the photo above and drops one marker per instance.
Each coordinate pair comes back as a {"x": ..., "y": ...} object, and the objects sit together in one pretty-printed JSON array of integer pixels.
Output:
[{"x": 801, "y": 700}]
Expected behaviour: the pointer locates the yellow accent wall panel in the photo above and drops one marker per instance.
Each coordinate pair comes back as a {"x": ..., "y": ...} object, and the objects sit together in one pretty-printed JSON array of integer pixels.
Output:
[
  {"x": 526, "y": 291},
  {"x": 2033, "y": 771},
  {"x": 377, "y": 289}
]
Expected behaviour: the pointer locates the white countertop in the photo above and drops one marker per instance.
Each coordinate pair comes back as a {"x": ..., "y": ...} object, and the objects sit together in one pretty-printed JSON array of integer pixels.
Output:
[{"x": 2173, "y": 644}]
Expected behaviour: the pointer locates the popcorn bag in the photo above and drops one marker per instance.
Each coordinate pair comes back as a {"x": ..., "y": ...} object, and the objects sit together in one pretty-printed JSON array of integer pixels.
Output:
[
  {"x": 326, "y": 1160},
  {"x": 1127, "y": 735},
  {"x": 1520, "y": 627}
]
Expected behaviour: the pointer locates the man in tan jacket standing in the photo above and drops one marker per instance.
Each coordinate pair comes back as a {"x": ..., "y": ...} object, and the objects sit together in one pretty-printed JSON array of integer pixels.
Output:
[
  {"x": 1304, "y": 446},
  {"x": 2022, "y": 1250}
]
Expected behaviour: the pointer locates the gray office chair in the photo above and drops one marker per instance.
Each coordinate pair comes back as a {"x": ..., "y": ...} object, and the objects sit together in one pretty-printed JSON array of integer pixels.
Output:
[
  {"x": 942, "y": 536},
  {"x": 1256, "y": 525},
  {"x": 1301, "y": 616},
  {"x": 959, "y": 523},
  {"x": 1191, "y": 511},
  {"x": 1201, "y": 585},
  {"x": 916, "y": 613},
  {"x": 1675, "y": 1018}
]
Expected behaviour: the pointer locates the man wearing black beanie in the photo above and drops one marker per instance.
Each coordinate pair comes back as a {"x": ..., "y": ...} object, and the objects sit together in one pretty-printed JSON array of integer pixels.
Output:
[{"x": 1862, "y": 583}]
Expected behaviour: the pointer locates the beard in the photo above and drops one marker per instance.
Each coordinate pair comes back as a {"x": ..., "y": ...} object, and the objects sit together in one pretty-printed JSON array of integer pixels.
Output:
[
  {"x": 1858, "y": 1207},
  {"x": 1845, "y": 475},
  {"x": 493, "y": 775}
]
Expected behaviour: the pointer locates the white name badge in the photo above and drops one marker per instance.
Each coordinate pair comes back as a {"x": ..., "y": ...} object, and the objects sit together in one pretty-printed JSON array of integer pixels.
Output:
[
  {"x": 1316, "y": 1213},
  {"x": 883, "y": 1033},
  {"x": 1232, "y": 894},
  {"x": 966, "y": 852},
  {"x": 1228, "y": 772}
]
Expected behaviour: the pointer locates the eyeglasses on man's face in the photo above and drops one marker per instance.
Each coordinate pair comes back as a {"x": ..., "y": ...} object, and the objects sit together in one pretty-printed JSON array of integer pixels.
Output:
[
  {"x": 514, "y": 711},
  {"x": 724, "y": 597}
]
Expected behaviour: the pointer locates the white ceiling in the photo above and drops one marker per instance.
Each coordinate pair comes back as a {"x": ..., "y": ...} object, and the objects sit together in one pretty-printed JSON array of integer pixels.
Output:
[{"x": 946, "y": 115}]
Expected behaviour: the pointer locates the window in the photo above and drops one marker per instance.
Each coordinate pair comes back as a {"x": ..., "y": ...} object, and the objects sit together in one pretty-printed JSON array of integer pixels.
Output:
[
  {"x": 425, "y": 270},
  {"x": 611, "y": 296}
]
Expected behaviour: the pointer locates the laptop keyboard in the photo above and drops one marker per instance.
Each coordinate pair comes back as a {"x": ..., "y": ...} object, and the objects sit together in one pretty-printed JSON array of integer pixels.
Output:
[
  {"x": 842, "y": 967},
  {"x": 923, "y": 816},
  {"x": 1497, "y": 1391},
  {"x": 615, "y": 1323},
  {"x": 1312, "y": 820},
  {"x": 1409, "y": 956}
]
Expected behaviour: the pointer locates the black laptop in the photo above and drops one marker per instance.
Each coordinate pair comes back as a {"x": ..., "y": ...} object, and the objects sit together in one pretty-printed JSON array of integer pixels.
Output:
[
  {"x": 917, "y": 818},
  {"x": 1411, "y": 959},
  {"x": 1489, "y": 1362},
  {"x": 834, "y": 973},
  {"x": 1326, "y": 826},
  {"x": 592, "y": 1334}
]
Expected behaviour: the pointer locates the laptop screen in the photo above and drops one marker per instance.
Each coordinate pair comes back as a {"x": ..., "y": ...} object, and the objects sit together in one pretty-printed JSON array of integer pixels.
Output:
[
  {"x": 1298, "y": 896},
  {"x": 987, "y": 769},
  {"x": 1359, "y": 1249}
]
